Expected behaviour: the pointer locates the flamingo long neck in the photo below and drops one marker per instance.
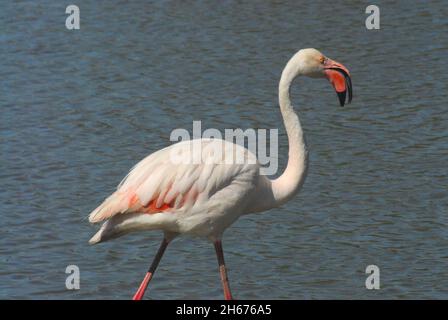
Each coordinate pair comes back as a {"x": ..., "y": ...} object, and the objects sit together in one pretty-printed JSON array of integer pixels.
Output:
[{"x": 287, "y": 185}]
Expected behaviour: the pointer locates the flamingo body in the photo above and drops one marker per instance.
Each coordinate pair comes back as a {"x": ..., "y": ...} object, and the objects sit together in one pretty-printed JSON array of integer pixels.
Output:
[{"x": 198, "y": 197}]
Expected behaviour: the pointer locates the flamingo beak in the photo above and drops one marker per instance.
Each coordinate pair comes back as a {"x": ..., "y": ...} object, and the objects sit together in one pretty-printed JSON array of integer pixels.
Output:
[{"x": 339, "y": 77}]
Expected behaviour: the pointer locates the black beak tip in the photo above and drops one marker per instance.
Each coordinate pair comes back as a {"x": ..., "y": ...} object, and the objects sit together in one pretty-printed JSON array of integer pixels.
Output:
[
  {"x": 341, "y": 96},
  {"x": 348, "y": 82}
]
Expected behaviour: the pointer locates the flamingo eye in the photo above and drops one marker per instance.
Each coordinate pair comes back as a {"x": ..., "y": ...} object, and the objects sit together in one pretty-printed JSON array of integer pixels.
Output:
[{"x": 322, "y": 59}]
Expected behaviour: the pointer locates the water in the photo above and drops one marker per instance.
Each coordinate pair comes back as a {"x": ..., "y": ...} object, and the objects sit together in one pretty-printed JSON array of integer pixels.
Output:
[{"x": 79, "y": 108}]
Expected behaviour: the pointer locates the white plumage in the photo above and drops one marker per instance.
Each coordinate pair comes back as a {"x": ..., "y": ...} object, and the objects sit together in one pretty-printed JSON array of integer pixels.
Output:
[{"x": 180, "y": 193}]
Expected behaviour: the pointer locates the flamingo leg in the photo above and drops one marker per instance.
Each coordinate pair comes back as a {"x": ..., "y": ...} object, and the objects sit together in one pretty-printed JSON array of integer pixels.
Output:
[
  {"x": 141, "y": 290},
  {"x": 222, "y": 270}
]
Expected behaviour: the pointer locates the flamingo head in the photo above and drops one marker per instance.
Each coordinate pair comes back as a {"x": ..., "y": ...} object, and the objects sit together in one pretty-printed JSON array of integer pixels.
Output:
[{"x": 312, "y": 63}]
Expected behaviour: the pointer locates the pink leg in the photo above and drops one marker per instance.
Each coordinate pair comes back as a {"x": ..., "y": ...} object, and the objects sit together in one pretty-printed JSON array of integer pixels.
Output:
[
  {"x": 141, "y": 290},
  {"x": 222, "y": 270}
]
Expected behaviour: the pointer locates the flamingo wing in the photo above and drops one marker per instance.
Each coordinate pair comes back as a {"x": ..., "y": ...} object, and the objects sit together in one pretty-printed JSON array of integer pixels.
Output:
[{"x": 178, "y": 177}]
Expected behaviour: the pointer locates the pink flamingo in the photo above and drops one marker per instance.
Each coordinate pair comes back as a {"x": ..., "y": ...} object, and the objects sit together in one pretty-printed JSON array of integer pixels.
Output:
[{"x": 205, "y": 197}]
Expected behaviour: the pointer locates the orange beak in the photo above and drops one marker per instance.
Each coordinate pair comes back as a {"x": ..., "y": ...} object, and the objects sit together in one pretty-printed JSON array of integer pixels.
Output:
[{"x": 339, "y": 76}]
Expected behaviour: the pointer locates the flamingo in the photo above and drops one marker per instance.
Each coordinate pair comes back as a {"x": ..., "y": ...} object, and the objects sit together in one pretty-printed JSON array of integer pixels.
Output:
[{"x": 203, "y": 198}]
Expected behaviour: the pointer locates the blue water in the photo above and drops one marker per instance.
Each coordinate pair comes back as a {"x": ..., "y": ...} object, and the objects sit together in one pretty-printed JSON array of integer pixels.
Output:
[{"x": 80, "y": 108}]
